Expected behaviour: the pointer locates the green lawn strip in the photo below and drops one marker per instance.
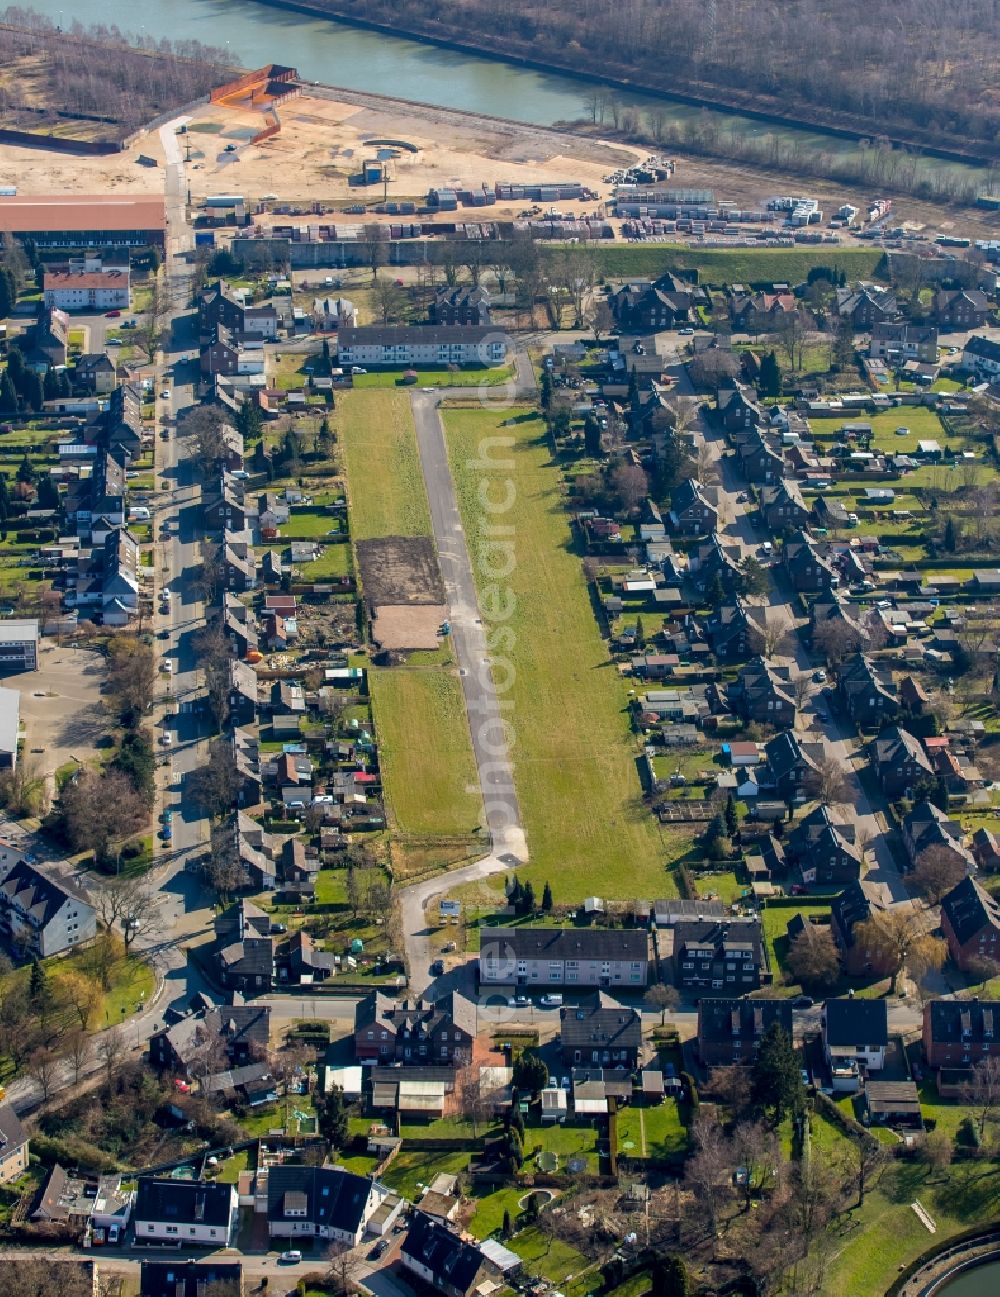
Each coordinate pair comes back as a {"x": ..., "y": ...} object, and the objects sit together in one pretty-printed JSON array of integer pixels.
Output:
[
  {"x": 546, "y": 1256},
  {"x": 574, "y": 756},
  {"x": 309, "y": 524},
  {"x": 565, "y": 1142},
  {"x": 481, "y": 377},
  {"x": 385, "y": 482},
  {"x": 425, "y": 750},
  {"x": 655, "y": 1132},
  {"x": 719, "y": 266}
]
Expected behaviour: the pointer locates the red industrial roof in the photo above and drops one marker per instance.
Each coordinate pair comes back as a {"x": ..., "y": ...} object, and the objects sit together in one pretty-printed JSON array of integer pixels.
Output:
[{"x": 81, "y": 212}]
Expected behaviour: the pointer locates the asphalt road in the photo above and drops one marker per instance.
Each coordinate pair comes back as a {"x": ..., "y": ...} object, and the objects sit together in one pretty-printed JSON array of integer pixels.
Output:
[{"x": 483, "y": 708}]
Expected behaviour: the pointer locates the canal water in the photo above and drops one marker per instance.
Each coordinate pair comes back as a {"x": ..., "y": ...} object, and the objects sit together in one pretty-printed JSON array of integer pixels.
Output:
[
  {"x": 983, "y": 1281},
  {"x": 340, "y": 55}
]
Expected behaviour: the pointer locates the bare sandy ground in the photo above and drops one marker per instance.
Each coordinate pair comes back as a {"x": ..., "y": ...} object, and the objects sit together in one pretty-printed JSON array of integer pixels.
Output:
[{"x": 322, "y": 143}]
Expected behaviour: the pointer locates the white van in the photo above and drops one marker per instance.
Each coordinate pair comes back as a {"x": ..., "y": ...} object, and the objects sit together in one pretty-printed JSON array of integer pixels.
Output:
[
  {"x": 138, "y": 513},
  {"x": 551, "y": 1001}
]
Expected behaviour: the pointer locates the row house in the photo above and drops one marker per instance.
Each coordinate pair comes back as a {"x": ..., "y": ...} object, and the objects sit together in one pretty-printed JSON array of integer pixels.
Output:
[
  {"x": 463, "y": 304},
  {"x": 759, "y": 458},
  {"x": 242, "y": 693},
  {"x": 783, "y": 507},
  {"x": 823, "y": 851},
  {"x": 738, "y": 408},
  {"x": 863, "y": 692},
  {"x": 788, "y": 765},
  {"x": 650, "y": 307},
  {"x": 807, "y": 571},
  {"x": 570, "y": 957},
  {"x": 218, "y": 305},
  {"x": 694, "y": 508},
  {"x": 238, "y": 561},
  {"x": 899, "y": 762},
  {"x": 762, "y": 693}
]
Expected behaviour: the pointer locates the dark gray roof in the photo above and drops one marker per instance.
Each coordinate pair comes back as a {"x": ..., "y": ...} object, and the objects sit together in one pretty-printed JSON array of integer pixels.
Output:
[
  {"x": 442, "y": 1252},
  {"x": 420, "y": 335},
  {"x": 743, "y": 1019},
  {"x": 602, "y": 1022},
  {"x": 952, "y": 1021},
  {"x": 970, "y": 908},
  {"x": 37, "y": 894},
  {"x": 721, "y": 936},
  {"x": 12, "y": 1133},
  {"x": 187, "y": 1202},
  {"x": 187, "y": 1278},
  {"x": 567, "y": 943},
  {"x": 853, "y": 1021},
  {"x": 195, "y": 1035},
  {"x": 337, "y": 1199},
  {"x": 852, "y": 906}
]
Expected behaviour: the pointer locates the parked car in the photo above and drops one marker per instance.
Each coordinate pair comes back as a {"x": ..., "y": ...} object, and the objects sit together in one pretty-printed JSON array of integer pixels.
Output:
[
  {"x": 379, "y": 1250},
  {"x": 551, "y": 1001},
  {"x": 520, "y": 1001},
  {"x": 802, "y": 1002},
  {"x": 112, "y": 315},
  {"x": 437, "y": 968},
  {"x": 292, "y": 1257}
]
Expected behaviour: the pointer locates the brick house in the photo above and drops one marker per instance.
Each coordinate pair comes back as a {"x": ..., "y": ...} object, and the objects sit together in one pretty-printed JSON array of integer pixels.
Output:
[
  {"x": 927, "y": 829},
  {"x": 897, "y": 342},
  {"x": 738, "y": 408},
  {"x": 866, "y": 306},
  {"x": 601, "y": 1033},
  {"x": 960, "y": 1033},
  {"x": 730, "y": 1031},
  {"x": 961, "y": 308},
  {"x": 646, "y": 308},
  {"x": 807, "y": 571},
  {"x": 726, "y": 956},
  {"x": 863, "y": 693},
  {"x": 783, "y": 506},
  {"x": 693, "y": 508},
  {"x": 856, "y": 904},
  {"x": 762, "y": 693},
  {"x": 422, "y": 1032},
  {"x": 466, "y": 304},
  {"x": 823, "y": 851},
  {"x": 970, "y": 921}
]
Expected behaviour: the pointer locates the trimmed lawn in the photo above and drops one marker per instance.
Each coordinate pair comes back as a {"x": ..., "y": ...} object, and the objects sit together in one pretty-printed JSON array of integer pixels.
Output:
[
  {"x": 566, "y": 1142},
  {"x": 411, "y": 1169},
  {"x": 656, "y": 1132},
  {"x": 774, "y": 921},
  {"x": 425, "y": 750},
  {"x": 488, "y": 1217},
  {"x": 386, "y": 492},
  {"x": 334, "y": 560},
  {"x": 437, "y": 378},
  {"x": 549, "y": 1257},
  {"x": 574, "y": 755}
]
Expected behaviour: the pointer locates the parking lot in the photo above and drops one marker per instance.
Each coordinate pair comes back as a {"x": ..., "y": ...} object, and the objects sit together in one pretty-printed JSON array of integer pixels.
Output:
[{"x": 61, "y": 708}]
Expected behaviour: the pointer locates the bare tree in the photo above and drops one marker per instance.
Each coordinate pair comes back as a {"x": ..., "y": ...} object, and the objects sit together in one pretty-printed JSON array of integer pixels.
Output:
[
  {"x": 206, "y": 424},
  {"x": 43, "y": 1068},
  {"x": 937, "y": 871},
  {"x": 836, "y": 637},
  {"x": 870, "y": 1160},
  {"x": 663, "y": 996},
  {"x": 708, "y": 1170},
  {"x": 85, "y": 804},
  {"x": 111, "y": 1049},
  {"x": 771, "y": 635},
  {"x": 599, "y": 318},
  {"x": 375, "y": 242},
  {"x": 898, "y": 938},
  {"x": 813, "y": 958},
  {"x": 131, "y": 674},
  {"x": 982, "y": 1091},
  {"x": 215, "y": 785},
  {"x": 388, "y": 301},
  {"x": 77, "y": 1044},
  {"x": 731, "y": 1086},
  {"x": 828, "y": 782},
  {"x": 758, "y": 1153},
  {"x": 224, "y": 871}
]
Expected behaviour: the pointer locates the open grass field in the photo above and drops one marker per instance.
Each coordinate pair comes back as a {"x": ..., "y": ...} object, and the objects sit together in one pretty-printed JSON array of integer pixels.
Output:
[
  {"x": 425, "y": 750},
  {"x": 475, "y": 377},
  {"x": 385, "y": 485},
  {"x": 574, "y": 757},
  {"x": 718, "y": 266}
]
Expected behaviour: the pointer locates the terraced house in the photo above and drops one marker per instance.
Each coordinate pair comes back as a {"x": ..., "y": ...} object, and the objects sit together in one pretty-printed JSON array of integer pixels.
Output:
[
  {"x": 439, "y": 1032},
  {"x": 541, "y": 957}
]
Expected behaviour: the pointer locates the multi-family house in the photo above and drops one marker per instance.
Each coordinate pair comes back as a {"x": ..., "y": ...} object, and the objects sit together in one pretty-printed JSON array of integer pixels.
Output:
[
  {"x": 808, "y": 572},
  {"x": 225, "y": 508},
  {"x": 863, "y": 692},
  {"x": 855, "y": 1039},
  {"x": 710, "y": 559},
  {"x": 762, "y": 693},
  {"x": 430, "y": 344},
  {"x": 325, "y": 1202},
  {"x": 246, "y": 764},
  {"x": 783, "y": 506},
  {"x": 730, "y": 1031},
  {"x": 986, "y": 850},
  {"x": 961, "y": 308},
  {"x": 232, "y": 1035},
  {"x": 120, "y": 427},
  {"x": 239, "y": 625},
  {"x": 928, "y": 831},
  {"x": 961, "y": 1033},
  {"x": 46, "y": 341},
  {"x": 86, "y": 290},
  {"x": 244, "y": 957},
  {"x": 865, "y": 306},
  {"x": 39, "y": 916},
  {"x": 95, "y": 373},
  {"x": 600, "y": 1033},
  {"x": 823, "y": 851},
  {"x": 710, "y": 956},
  {"x": 831, "y": 513},
  {"x": 694, "y": 508},
  {"x": 229, "y": 355},
  {"x": 738, "y": 409},
  {"x": 897, "y": 342},
  {"x": 856, "y": 905},
  {"x": 899, "y": 762},
  {"x": 463, "y": 304},
  {"x": 421, "y": 1033},
  {"x": 190, "y": 1278},
  {"x": 238, "y": 561},
  {"x": 970, "y": 921},
  {"x": 762, "y": 312},
  {"x": 759, "y": 458},
  {"x": 185, "y": 1213},
  {"x": 570, "y": 957}
]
